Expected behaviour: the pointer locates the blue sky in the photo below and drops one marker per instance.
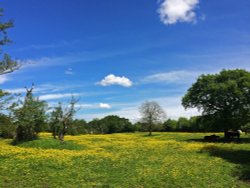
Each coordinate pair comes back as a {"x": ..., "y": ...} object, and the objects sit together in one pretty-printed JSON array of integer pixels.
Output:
[{"x": 115, "y": 54}]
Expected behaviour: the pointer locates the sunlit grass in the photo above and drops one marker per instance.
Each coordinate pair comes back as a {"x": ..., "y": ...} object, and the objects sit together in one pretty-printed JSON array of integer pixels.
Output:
[{"x": 125, "y": 160}]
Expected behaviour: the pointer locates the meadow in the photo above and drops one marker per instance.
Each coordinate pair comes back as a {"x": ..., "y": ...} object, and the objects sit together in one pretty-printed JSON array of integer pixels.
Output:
[{"x": 125, "y": 160}]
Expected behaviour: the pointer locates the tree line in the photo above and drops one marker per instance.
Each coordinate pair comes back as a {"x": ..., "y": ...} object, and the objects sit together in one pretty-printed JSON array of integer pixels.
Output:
[{"x": 223, "y": 100}]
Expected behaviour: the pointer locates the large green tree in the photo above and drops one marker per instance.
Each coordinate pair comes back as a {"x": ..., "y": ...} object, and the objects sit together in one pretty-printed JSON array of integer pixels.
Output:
[{"x": 223, "y": 97}]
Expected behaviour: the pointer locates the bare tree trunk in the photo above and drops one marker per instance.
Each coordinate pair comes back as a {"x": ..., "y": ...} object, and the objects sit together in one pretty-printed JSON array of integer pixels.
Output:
[
  {"x": 54, "y": 134},
  {"x": 150, "y": 130}
]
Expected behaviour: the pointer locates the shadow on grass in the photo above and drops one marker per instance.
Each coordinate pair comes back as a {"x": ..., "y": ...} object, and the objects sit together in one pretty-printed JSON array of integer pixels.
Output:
[
  {"x": 222, "y": 140},
  {"x": 52, "y": 144},
  {"x": 154, "y": 134},
  {"x": 150, "y": 136},
  {"x": 239, "y": 157}
]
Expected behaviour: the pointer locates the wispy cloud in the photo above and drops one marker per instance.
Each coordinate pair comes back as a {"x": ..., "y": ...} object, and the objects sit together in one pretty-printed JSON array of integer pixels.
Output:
[
  {"x": 111, "y": 79},
  {"x": 68, "y": 59},
  {"x": 46, "y": 88},
  {"x": 173, "y": 77},
  {"x": 104, "y": 105},
  {"x": 93, "y": 106},
  {"x": 57, "y": 96},
  {"x": 47, "y": 46},
  {"x": 69, "y": 71},
  {"x": 83, "y": 56},
  {"x": 173, "y": 11}
]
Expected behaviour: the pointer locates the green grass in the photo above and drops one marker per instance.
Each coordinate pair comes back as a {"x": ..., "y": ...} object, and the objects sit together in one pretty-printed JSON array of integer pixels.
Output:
[
  {"x": 48, "y": 143},
  {"x": 126, "y": 160}
]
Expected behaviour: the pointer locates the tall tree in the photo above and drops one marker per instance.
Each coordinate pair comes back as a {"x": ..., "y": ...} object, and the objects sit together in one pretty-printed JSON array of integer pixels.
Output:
[
  {"x": 7, "y": 64},
  {"x": 29, "y": 117},
  {"x": 224, "y": 97},
  {"x": 151, "y": 113}
]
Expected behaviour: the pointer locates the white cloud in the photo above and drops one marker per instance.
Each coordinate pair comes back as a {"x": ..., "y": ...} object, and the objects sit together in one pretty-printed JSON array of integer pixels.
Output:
[
  {"x": 173, "y": 11},
  {"x": 69, "y": 71},
  {"x": 104, "y": 105},
  {"x": 3, "y": 79},
  {"x": 176, "y": 77},
  {"x": 85, "y": 106},
  {"x": 93, "y": 106},
  {"x": 57, "y": 96},
  {"x": 116, "y": 80}
]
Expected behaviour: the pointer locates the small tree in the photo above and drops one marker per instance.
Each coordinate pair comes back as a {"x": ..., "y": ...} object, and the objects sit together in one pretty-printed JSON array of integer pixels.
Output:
[
  {"x": 152, "y": 114},
  {"x": 29, "y": 117},
  {"x": 61, "y": 119},
  {"x": 7, "y": 129},
  {"x": 56, "y": 120}
]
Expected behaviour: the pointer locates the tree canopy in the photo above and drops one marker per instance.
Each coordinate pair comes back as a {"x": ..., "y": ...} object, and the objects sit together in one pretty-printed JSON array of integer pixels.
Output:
[
  {"x": 7, "y": 64},
  {"x": 151, "y": 113},
  {"x": 29, "y": 117},
  {"x": 61, "y": 119},
  {"x": 224, "y": 96}
]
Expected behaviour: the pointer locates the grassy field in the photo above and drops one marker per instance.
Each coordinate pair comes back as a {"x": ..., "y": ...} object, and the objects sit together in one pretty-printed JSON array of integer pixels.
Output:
[{"x": 125, "y": 160}]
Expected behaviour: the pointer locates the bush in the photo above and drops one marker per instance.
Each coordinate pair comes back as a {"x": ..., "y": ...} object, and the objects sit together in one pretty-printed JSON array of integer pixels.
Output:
[
  {"x": 7, "y": 129},
  {"x": 77, "y": 127}
]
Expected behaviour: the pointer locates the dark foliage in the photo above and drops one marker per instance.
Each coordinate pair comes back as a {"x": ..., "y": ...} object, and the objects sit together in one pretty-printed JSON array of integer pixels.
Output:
[
  {"x": 7, "y": 128},
  {"x": 29, "y": 117},
  {"x": 110, "y": 124},
  {"x": 222, "y": 97}
]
